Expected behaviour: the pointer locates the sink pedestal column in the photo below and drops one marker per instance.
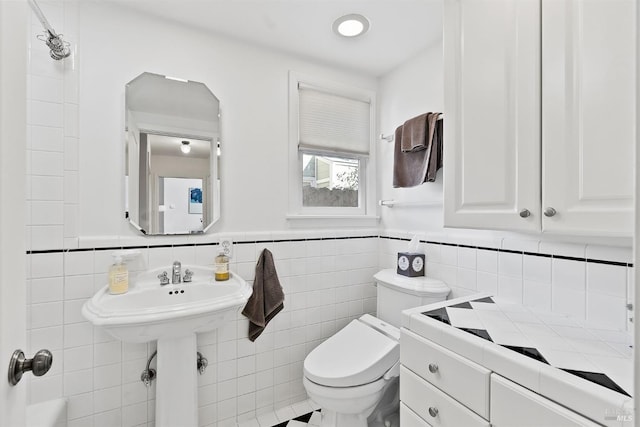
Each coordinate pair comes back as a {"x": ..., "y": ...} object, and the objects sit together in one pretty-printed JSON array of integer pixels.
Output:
[{"x": 177, "y": 383}]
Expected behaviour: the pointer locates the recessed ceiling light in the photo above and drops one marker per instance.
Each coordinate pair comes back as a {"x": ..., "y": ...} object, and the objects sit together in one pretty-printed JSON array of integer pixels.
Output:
[{"x": 351, "y": 25}]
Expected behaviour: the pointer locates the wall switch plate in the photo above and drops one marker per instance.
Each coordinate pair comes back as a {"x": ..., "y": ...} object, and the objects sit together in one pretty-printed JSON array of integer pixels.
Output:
[{"x": 226, "y": 246}]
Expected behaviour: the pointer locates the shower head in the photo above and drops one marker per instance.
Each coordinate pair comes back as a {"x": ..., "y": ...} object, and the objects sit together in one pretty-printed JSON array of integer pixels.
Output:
[{"x": 59, "y": 48}]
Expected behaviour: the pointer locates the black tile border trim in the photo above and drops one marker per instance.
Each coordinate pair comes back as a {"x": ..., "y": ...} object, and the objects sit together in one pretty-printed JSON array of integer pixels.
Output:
[
  {"x": 178, "y": 245},
  {"x": 511, "y": 251},
  {"x": 311, "y": 239}
]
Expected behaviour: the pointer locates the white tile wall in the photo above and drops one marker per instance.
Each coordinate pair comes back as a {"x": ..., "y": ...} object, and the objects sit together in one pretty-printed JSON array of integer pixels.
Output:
[
  {"x": 594, "y": 292},
  {"x": 327, "y": 283},
  {"x": 52, "y": 149}
]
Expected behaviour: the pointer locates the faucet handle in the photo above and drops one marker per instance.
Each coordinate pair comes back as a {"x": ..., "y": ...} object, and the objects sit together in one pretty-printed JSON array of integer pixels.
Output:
[
  {"x": 188, "y": 274},
  {"x": 164, "y": 278}
]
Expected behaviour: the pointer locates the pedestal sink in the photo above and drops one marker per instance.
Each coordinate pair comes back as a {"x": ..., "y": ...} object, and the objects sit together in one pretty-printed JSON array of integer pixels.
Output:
[{"x": 172, "y": 315}]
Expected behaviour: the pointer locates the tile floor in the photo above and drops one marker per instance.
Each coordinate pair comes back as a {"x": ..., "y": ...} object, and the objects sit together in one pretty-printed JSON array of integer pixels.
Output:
[
  {"x": 310, "y": 419},
  {"x": 303, "y": 413}
]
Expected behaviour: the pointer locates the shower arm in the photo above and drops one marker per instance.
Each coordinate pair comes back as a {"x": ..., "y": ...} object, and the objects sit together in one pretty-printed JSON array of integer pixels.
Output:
[
  {"x": 59, "y": 48},
  {"x": 43, "y": 20}
]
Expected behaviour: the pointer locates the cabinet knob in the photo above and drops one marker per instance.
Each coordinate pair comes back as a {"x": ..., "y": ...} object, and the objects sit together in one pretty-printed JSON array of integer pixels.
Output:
[
  {"x": 433, "y": 368},
  {"x": 433, "y": 411},
  {"x": 524, "y": 213},
  {"x": 550, "y": 212}
]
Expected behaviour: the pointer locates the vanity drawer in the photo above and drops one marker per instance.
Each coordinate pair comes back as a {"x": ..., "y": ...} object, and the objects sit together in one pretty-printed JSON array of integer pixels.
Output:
[
  {"x": 434, "y": 406},
  {"x": 514, "y": 406},
  {"x": 464, "y": 380},
  {"x": 408, "y": 418}
]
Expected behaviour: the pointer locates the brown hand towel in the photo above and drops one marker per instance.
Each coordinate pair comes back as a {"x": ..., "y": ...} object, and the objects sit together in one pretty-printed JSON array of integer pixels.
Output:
[
  {"x": 416, "y": 167},
  {"x": 267, "y": 299}
]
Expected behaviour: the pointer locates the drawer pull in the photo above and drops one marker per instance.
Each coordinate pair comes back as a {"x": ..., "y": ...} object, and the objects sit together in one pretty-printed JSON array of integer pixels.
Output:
[
  {"x": 433, "y": 368},
  {"x": 433, "y": 411}
]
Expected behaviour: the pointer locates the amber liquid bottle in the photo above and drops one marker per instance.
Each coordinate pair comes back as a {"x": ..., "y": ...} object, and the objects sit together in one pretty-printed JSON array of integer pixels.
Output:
[{"x": 222, "y": 267}]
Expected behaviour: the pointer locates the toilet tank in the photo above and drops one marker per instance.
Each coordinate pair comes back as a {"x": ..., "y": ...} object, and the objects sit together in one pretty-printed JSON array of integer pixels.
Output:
[{"x": 397, "y": 293}]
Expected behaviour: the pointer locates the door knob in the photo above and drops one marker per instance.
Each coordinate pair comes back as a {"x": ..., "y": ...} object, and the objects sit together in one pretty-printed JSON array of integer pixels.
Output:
[
  {"x": 550, "y": 212},
  {"x": 524, "y": 213},
  {"x": 433, "y": 368},
  {"x": 39, "y": 365},
  {"x": 433, "y": 411}
]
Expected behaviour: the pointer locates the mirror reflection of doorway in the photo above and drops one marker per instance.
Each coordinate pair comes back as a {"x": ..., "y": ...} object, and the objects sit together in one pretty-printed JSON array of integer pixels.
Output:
[
  {"x": 179, "y": 209},
  {"x": 164, "y": 161}
]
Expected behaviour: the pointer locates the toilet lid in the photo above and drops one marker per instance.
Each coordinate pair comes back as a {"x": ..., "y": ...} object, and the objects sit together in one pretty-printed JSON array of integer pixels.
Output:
[{"x": 356, "y": 355}]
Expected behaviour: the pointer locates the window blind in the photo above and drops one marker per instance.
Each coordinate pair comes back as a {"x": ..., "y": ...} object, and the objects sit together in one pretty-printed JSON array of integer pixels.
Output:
[{"x": 331, "y": 122}]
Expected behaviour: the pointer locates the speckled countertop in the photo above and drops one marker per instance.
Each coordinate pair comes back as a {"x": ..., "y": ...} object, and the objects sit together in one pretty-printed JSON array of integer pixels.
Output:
[{"x": 585, "y": 369}]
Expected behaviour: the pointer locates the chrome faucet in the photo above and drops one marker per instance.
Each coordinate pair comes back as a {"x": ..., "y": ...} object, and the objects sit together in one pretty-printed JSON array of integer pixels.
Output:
[{"x": 176, "y": 272}]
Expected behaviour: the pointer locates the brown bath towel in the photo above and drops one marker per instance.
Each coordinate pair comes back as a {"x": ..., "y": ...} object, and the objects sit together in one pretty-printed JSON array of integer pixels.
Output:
[
  {"x": 267, "y": 299},
  {"x": 415, "y": 133},
  {"x": 416, "y": 167}
]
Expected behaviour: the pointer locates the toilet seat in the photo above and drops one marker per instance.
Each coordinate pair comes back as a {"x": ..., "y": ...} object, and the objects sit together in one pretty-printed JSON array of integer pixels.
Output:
[{"x": 356, "y": 355}]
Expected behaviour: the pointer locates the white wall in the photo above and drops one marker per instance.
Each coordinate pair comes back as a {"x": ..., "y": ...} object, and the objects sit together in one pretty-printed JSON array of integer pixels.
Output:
[
  {"x": 177, "y": 218},
  {"x": 250, "y": 82},
  {"x": 413, "y": 88}
]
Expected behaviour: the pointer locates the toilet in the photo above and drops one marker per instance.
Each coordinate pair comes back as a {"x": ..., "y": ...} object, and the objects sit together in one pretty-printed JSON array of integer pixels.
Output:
[{"x": 354, "y": 374}]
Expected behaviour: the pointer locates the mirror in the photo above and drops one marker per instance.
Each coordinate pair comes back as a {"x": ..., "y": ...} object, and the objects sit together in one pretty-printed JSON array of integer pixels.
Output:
[{"x": 172, "y": 152}]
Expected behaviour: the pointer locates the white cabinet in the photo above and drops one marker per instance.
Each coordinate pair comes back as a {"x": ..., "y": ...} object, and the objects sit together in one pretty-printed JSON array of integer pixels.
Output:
[
  {"x": 540, "y": 136},
  {"x": 410, "y": 418},
  {"x": 433, "y": 405},
  {"x": 439, "y": 387},
  {"x": 448, "y": 371},
  {"x": 515, "y": 406},
  {"x": 492, "y": 114},
  {"x": 588, "y": 113}
]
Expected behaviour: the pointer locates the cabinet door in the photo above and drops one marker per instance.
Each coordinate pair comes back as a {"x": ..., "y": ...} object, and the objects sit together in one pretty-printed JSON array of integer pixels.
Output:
[
  {"x": 492, "y": 114},
  {"x": 515, "y": 406},
  {"x": 588, "y": 137}
]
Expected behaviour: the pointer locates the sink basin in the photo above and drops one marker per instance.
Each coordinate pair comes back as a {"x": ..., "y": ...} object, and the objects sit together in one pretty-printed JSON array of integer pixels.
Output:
[
  {"x": 150, "y": 311},
  {"x": 172, "y": 315}
]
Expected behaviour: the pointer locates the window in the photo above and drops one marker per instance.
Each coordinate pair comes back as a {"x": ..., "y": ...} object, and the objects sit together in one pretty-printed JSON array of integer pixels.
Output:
[{"x": 330, "y": 148}]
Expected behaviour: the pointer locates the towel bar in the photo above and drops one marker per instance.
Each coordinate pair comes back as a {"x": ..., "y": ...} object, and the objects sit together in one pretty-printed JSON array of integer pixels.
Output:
[
  {"x": 392, "y": 203},
  {"x": 390, "y": 138}
]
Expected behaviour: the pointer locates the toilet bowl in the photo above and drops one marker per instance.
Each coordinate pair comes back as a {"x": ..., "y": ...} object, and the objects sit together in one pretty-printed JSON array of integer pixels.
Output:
[
  {"x": 350, "y": 374},
  {"x": 354, "y": 375}
]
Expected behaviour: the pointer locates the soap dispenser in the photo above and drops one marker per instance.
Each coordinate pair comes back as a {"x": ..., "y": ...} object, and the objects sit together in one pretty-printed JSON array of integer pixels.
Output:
[
  {"x": 118, "y": 276},
  {"x": 222, "y": 267}
]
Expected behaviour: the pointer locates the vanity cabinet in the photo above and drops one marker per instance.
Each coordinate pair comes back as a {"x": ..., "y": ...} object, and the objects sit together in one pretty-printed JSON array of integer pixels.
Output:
[
  {"x": 447, "y": 371},
  {"x": 441, "y": 388},
  {"x": 539, "y": 115},
  {"x": 433, "y": 405},
  {"x": 515, "y": 406},
  {"x": 410, "y": 418}
]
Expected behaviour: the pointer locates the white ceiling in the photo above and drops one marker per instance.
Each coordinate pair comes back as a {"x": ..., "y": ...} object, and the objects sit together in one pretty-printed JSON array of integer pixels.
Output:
[{"x": 399, "y": 28}]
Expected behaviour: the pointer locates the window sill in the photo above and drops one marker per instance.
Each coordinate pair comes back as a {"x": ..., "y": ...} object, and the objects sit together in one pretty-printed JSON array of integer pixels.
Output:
[{"x": 333, "y": 220}]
